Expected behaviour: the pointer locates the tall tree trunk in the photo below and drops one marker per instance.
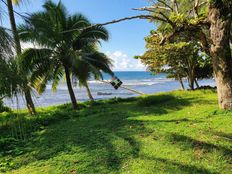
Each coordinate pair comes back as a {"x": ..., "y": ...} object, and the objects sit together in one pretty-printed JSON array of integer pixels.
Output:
[
  {"x": 191, "y": 82},
  {"x": 197, "y": 84},
  {"x": 29, "y": 101},
  {"x": 181, "y": 83},
  {"x": 220, "y": 20},
  {"x": 30, "y": 104},
  {"x": 13, "y": 27},
  {"x": 70, "y": 89},
  {"x": 89, "y": 92}
]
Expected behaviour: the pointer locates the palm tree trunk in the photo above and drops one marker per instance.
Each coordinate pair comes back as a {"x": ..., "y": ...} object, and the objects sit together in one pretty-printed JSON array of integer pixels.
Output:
[
  {"x": 30, "y": 104},
  {"x": 89, "y": 92},
  {"x": 70, "y": 89},
  {"x": 220, "y": 51},
  {"x": 13, "y": 27},
  {"x": 29, "y": 101}
]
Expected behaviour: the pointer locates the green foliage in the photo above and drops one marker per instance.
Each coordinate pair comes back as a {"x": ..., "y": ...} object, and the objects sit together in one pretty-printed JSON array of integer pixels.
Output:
[
  {"x": 185, "y": 133},
  {"x": 10, "y": 78},
  {"x": 4, "y": 108},
  {"x": 178, "y": 59},
  {"x": 68, "y": 47},
  {"x": 147, "y": 101}
]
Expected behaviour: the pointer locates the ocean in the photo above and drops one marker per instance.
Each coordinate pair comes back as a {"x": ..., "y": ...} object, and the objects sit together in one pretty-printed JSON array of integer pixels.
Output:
[{"x": 138, "y": 80}]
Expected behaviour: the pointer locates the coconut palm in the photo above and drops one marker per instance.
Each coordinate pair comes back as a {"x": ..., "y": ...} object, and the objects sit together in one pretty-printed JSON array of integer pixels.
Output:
[
  {"x": 5, "y": 44},
  {"x": 9, "y": 78},
  {"x": 26, "y": 88},
  {"x": 91, "y": 66},
  {"x": 61, "y": 38}
]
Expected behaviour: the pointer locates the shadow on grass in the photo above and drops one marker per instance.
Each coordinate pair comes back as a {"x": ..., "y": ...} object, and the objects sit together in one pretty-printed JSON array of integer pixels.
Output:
[
  {"x": 178, "y": 167},
  {"x": 188, "y": 142},
  {"x": 98, "y": 129},
  {"x": 223, "y": 135}
]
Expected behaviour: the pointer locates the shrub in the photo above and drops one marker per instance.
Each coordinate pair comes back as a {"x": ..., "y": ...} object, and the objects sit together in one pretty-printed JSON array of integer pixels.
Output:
[
  {"x": 4, "y": 108},
  {"x": 154, "y": 100}
]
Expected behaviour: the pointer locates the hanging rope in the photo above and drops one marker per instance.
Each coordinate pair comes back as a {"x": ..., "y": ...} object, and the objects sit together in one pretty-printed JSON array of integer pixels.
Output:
[{"x": 124, "y": 87}]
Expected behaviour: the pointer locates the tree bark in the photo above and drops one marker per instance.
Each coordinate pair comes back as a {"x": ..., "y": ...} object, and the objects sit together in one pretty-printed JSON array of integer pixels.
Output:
[
  {"x": 181, "y": 83},
  {"x": 29, "y": 101},
  {"x": 70, "y": 89},
  {"x": 197, "y": 84},
  {"x": 191, "y": 82},
  {"x": 89, "y": 92},
  {"x": 13, "y": 27},
  {"x": 220, "y": 20}
]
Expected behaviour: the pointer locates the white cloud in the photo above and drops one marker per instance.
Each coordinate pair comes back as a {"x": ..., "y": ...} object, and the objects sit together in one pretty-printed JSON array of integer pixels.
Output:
[{"x": 122, "y": 62}]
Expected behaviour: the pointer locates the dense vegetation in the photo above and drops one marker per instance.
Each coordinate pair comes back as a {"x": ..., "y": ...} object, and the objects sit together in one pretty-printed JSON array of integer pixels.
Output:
[
  {"x": 176, "y": 132},
  {"x": 205, "y": 22},
  {"x": 68, "y": 47}
]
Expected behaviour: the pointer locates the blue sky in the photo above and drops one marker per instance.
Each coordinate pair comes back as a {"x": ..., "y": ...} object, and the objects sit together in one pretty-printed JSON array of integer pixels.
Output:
[{"x": 126, "y": 38}]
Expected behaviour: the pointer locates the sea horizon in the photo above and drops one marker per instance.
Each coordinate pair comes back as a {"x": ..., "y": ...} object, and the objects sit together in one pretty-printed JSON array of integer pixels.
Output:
[{"x": 142, "y": 81}]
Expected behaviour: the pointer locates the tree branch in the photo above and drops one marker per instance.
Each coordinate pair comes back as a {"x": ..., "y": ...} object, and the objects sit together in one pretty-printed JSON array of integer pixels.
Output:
[
  {"x": 175, "y": 6},
  {"x": 163, "y": 2},
  {"x": 152, "y": 8},
  {"x": 120, "y": 20},
  {"x": 195, "y": 8},
  {"x": 167, "y": 19},
  {"x": 3, "y": 97}
]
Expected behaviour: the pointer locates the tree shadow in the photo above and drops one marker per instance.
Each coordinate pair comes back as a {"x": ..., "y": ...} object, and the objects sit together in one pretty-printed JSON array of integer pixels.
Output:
[
  {"x": 178, "y": 167},
  {"x": 224, "y": 136},
  {"x": 188, "y": 142},
  {"x": 96, "y": 129}
]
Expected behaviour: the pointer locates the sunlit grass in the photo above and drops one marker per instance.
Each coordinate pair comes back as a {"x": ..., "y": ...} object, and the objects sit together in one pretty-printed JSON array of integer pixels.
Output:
[{"x": 176, "y": 132}]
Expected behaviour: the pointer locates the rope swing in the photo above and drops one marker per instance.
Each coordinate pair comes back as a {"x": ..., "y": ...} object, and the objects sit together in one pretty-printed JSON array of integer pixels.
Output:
[{"x": 117, "y": 83}]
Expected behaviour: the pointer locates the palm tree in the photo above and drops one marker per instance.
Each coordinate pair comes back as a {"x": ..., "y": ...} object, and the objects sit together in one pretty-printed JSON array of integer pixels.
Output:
[
  {"x": 26, "y": 88},
  {"x": 9, "y": 78},
  {"x": 5, "y": 44},
  {"x": 59, "y": 49},
  {"x": 91, "y": 65}
]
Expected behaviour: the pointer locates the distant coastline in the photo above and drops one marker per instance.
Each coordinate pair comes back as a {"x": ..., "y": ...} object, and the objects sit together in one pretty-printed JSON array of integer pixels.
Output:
[{"x": 139, "y": 80}]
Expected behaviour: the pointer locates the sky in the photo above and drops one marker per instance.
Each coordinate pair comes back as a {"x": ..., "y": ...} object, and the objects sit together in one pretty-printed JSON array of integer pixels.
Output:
[{"x": 126, "y": 38}]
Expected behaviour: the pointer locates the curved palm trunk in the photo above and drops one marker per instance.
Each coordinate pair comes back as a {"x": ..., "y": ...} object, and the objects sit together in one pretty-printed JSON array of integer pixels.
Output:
[
  {"x": 13, "y": 27},
  {"x": 221, "y": 54},
  {"x": 29, "y": 101},
  {"x": 30, "y": 104},
  {"x": 70, "y": 89},
  {"x": 89, "y": 92}
]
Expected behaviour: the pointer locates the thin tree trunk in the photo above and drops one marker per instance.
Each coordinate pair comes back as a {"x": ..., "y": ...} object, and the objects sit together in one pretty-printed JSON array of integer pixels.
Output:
[
  {"x": 30, "y": 104},
  {"x": 181, "y": 83},
  {"x": 89, "y": 92},
  {"x": 191, "y": 83},
  {"x": 29, "y": 101},
  {"x": 221, "y": 54},
  {"x": 197, "y": 84},
  {"x": 13, "y": 27},
  {"x": 70, "y": 89}
]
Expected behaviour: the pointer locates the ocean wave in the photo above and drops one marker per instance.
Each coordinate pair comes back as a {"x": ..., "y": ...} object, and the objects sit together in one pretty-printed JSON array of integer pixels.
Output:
[
  {"x": 147, "y": 82},
  {"x": 97, "y": 83}
]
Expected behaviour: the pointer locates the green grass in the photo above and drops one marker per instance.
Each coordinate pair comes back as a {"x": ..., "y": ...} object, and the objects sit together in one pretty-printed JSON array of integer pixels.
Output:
[{"x": 176, "y": 132}]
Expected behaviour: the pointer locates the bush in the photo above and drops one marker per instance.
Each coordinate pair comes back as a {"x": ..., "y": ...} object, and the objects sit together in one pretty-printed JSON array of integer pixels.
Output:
[
  {"x": 4, "y": 108},
  {"x": 154, "y": 100}
]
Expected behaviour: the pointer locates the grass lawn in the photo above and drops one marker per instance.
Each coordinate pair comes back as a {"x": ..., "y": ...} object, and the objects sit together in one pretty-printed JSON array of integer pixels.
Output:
[{"x": 176, "y": 132}]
